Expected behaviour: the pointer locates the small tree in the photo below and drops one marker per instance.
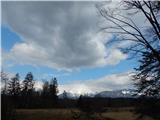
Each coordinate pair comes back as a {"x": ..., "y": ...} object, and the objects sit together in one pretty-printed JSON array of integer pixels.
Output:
[{"x": 65, "y": 95}]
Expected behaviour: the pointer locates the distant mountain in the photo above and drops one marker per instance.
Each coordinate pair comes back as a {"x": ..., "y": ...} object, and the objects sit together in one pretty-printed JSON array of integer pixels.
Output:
[
  {"x": 69, "y": 95},
  {"x": 75, "y": 95},
  {"x": 124, "y": 93}
]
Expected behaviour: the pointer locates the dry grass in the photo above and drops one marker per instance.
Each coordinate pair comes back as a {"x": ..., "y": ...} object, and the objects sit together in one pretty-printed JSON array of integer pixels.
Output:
[
  {"x": 124, "y": 115},
  {"x": 66, "y": 114},
  {"x": 43, "y": 114}
]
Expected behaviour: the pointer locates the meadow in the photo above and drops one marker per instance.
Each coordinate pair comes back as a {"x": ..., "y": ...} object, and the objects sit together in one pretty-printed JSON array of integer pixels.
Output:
[{"x": 70, "y": 114}]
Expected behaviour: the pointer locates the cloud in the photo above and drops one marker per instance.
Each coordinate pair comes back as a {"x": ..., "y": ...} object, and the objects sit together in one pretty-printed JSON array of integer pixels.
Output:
[
  {"x": 60, "y": 35},
  {"x": 108, "y": 82},
  {"x": 38, "y": 85}
]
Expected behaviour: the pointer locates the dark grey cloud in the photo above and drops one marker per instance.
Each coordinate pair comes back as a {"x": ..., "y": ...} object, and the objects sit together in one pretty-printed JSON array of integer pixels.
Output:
[{"x": 61, "y": 35}]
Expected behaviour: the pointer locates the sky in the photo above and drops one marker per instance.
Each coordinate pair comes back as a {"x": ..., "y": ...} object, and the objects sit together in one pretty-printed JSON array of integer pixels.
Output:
[{"x": 62, "y": 40}]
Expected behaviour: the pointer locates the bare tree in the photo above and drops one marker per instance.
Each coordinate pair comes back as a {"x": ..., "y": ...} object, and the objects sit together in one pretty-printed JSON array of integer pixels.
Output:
[
  {"x": 143, "y": 36},
  {"x": 7, "y": 108},
  {"x": 4, "y": 81}
]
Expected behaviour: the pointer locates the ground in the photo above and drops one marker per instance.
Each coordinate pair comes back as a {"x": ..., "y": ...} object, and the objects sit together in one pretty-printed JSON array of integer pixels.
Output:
[{"x": 69, "y": 114}]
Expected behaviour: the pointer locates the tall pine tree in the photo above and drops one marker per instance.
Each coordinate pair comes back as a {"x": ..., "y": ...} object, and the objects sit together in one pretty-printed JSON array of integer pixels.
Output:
[
  {"x": 53, "y": 90},
  {"x": 45, "y": 90},
  {"x": 28, "y": 89},
  {"x": 14, "y": 86}
]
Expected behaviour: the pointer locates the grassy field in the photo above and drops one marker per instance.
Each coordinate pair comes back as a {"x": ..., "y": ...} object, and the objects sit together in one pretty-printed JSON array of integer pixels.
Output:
[{"x": 67, "y": 114}]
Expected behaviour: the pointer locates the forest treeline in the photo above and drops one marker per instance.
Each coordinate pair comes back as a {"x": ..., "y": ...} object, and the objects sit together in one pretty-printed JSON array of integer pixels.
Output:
[
  {"x": 23, "y": 95},
  {"x": 16, "y": 93}
]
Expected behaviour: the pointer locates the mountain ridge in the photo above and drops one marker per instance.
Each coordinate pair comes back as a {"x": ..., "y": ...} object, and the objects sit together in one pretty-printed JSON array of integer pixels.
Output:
[{"x": 123, "y": 93}]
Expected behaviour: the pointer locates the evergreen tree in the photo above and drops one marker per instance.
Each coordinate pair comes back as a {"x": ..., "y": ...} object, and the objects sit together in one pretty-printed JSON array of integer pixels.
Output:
[
  {"x": 45, "y": 89},
  {"x": 28, "y": 89},
  {"x": 64, "y": 94},
  {"x": 28, "y": 84},
  {"x": 53, "y": 90},
  {"x": 147, "y": 77},
  {"x": 14, "y": 86}
]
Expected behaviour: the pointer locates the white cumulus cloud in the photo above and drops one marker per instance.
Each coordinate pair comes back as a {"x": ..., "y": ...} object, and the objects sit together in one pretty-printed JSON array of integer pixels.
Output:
[
  {"x": 60, "y": 35},
  {"x": 108, "y": 82}
]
